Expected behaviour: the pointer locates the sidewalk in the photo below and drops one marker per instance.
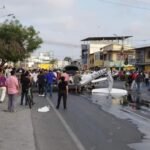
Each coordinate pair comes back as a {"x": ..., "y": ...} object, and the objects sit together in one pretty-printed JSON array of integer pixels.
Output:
[
  {"x": 16, "y": 131},
  {"x": 22, "y": 130}
]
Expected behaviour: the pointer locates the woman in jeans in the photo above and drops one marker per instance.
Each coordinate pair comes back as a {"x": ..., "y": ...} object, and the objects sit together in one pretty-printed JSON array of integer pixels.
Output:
[{"x": 12, "y": 85}]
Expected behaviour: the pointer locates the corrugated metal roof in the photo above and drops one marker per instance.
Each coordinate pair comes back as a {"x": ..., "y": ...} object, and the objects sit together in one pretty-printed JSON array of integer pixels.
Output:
[{"x": 106, "y": 38}]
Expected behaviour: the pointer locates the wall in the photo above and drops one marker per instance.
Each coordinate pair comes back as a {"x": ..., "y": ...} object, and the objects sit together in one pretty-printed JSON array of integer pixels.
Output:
[
  {"x": 147, "y": 55},
  {"x": 95, "y": 47}
]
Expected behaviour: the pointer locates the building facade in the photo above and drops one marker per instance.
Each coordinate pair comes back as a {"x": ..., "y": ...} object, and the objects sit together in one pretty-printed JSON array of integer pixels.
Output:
[
  {"x": 143, "y": 58},
  {"x": 99, "y": 52},
  {"x": 117, "y": 56}
]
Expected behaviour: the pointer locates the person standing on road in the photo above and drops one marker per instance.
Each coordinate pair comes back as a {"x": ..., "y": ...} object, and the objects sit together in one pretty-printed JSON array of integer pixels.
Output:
[
  {"x": 62, "y": 92},
  {"x": 50, "y": 77},
  {"x": 138, "y": 80},
  {"x": 12, "y": 85},
  {"x": 77, "y": 79},
  {"x": 26, "y": 83},
  {"x": 2, "y": 86},
  {"x": 41, "y": 82},
  {"x": 146, "y": 79},
  {"x": 66, "y": 76}
]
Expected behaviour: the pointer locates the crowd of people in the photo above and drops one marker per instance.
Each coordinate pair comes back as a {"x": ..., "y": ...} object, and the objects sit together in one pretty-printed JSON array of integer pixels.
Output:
[
  {"x": 19, "y": 81},
  {"x": 134, "y": 79}
]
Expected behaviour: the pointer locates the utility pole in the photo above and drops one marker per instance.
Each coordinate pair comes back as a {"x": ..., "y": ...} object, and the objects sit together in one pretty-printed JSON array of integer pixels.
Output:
[{"x": 122, "y": 54}]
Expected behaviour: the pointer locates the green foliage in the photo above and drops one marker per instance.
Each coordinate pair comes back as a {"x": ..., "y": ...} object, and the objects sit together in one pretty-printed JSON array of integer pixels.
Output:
[
  {"x": 53, "y": 61},
  {"x": 17, "y": 41},
  {"x": 69, "y": 59}
]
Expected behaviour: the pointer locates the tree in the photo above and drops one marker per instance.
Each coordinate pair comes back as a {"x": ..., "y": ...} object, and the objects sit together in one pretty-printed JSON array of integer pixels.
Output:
[
  {"x": 17, "y": 42},
  {"x": 69, "y": 59},
  {"x": 53, "y": 62}
]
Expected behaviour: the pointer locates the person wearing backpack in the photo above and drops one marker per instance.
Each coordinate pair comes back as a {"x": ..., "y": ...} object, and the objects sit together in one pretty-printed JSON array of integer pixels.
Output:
[
  {"x": 2, "y": 86},
  {"x": 62, "y": 92}
]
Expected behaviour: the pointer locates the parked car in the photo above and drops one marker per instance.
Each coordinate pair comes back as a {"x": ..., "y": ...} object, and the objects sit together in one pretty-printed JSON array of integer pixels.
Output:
[{"x": 71, "y": 69}]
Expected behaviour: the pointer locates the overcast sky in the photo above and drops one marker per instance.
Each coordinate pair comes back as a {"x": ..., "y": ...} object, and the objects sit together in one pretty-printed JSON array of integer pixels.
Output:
[{"x": 70, "y": 21}]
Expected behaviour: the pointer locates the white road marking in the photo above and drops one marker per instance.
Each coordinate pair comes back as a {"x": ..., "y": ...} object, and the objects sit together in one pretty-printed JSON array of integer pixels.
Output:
[{"x": 66, "y": 126}]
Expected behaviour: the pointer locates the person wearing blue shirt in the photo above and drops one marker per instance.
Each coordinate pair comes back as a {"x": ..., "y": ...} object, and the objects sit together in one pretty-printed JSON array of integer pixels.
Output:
[{"x": 49, "y": 77}]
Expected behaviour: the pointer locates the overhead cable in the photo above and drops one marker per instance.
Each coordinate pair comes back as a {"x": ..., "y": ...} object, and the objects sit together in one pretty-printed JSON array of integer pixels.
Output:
[{"x": 125, "y": 4}]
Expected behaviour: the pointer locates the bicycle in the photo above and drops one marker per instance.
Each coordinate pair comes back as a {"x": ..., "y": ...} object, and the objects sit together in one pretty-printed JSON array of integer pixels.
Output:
[{"x": 30, "y": 98}]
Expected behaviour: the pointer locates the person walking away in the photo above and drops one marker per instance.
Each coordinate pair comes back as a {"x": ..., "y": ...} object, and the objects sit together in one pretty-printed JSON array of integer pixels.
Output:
[
  {"x": 41, "y": 83},
  {"x": 62, "y": 92},
  {"x": 2, "y": 86},
  {"x": 12, "y": 85},
  {"x": 50, "y": 77},
  {"x": 25, "y": 84}
]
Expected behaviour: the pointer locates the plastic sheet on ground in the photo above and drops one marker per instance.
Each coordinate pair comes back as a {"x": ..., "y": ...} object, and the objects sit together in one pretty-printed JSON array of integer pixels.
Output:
[{"x": 44, "y": 109}]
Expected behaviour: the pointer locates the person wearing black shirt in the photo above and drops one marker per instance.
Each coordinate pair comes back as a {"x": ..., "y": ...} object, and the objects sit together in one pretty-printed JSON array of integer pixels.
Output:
[
  {"x": 41, "y": 82},
  {"x": 26, "y": 83},
  {"x": 62, "y": 92}
]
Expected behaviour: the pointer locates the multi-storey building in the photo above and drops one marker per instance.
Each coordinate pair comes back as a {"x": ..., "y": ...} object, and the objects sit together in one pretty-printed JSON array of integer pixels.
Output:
[
  {"x": 117, "y": 56},
  {"x": 143, "y": 58},
  {"x": 98, "y": 52}
]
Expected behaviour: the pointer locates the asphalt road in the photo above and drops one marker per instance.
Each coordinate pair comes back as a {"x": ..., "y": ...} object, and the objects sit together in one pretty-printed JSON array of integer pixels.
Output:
[{"x": 83, "y": 126}]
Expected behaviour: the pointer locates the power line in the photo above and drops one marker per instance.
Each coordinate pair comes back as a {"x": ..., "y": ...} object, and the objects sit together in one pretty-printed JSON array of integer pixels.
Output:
[
  {"x": 2, "y": 7},
  {"x": 62, "y": 44},
  {"x": 125, "y": 4}
]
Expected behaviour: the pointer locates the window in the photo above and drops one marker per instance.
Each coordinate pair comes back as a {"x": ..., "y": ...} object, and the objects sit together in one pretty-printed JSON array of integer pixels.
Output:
[
  {"x": 105, "y": 56},
  {"x": 118, "y": 56},
  {"x": 148, "y": 54},
  {"x": 97, "y": 56},
  {"x": 109, "y": 57},
  {"x": 101, "y": 56}
]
